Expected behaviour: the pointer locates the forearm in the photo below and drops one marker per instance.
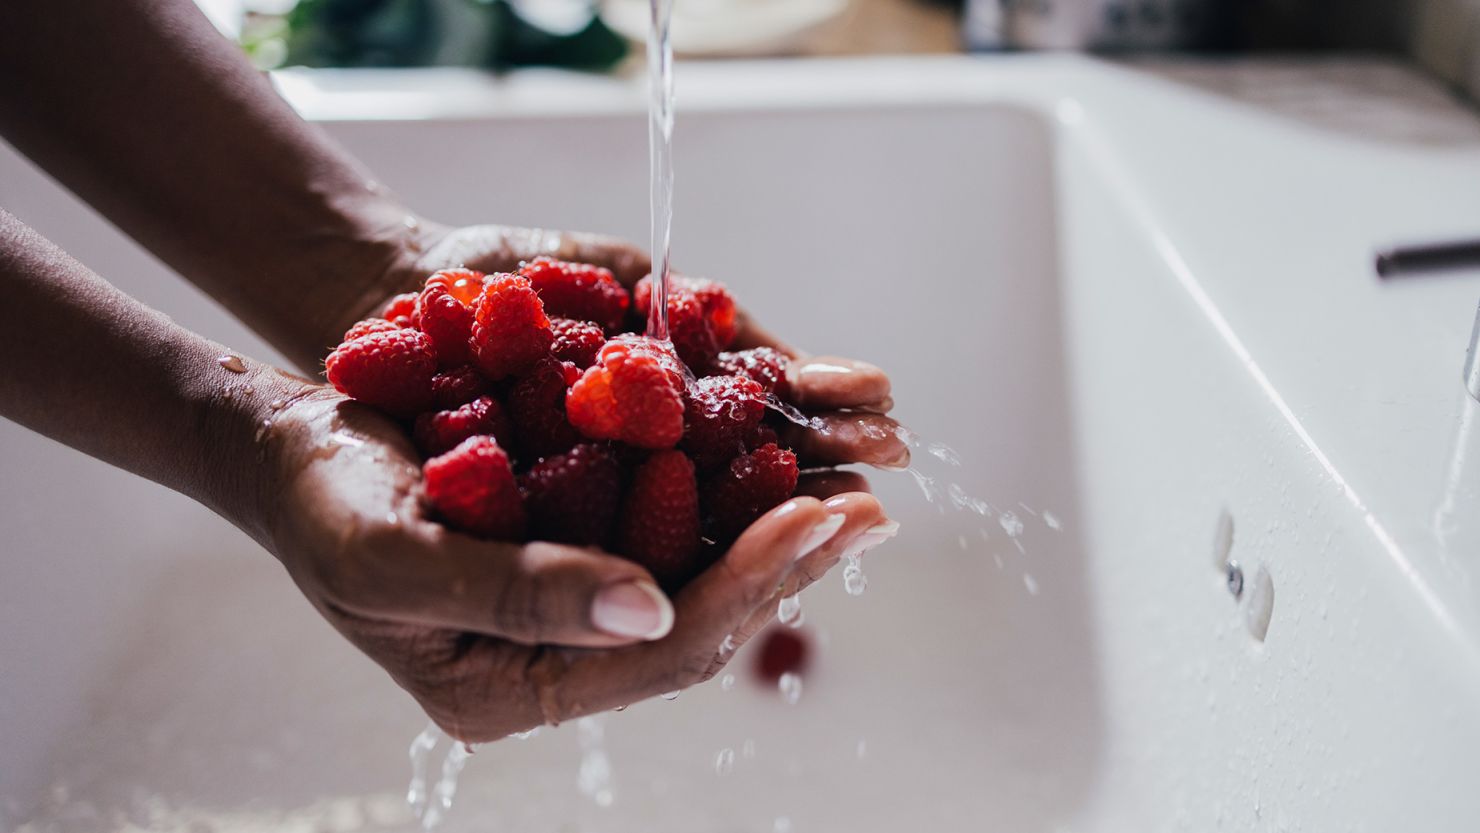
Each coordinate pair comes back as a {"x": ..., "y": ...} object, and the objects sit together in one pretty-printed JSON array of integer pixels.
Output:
[
  {"x": 145, "y": 111},
  {"x": 93, "y": 368}
]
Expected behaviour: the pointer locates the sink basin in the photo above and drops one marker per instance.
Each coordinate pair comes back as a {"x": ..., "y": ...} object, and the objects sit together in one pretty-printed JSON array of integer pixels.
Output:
[{"x": 1131, "y": 309}]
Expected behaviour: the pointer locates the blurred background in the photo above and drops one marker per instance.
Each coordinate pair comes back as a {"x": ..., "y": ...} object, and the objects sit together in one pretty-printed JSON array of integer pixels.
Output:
[{"x": 1439, "y": 37}]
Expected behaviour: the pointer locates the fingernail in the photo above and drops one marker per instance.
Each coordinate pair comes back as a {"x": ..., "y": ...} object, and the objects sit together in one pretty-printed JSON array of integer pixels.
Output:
[
  {"x": 821, "y": 533},
  {"x": 872, "y": 537},
  {"x": 823, "y": 367},
  {"x": 633, "y": 608}
]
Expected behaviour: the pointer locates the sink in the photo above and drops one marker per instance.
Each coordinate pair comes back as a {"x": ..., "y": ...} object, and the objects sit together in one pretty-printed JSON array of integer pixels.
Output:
[{"x": 1135, "y": 311}]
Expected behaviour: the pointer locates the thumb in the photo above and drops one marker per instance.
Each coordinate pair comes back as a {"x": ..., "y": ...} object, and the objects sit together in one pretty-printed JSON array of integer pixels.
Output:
[{"x": 537, "y": 593}]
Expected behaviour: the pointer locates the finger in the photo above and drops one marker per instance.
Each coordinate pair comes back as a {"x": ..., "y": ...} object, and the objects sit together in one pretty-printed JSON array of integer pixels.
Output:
[
  {"x": 533, "y": 594},
  {"x": 848, "y": 438},
  {"x": 865, "y": 528},
  {"x": 708, "y": 609},
  {"x": 831, "y": 382},
  {"x": 825, "y": 483},
  {"x": 749, "y": 333}
]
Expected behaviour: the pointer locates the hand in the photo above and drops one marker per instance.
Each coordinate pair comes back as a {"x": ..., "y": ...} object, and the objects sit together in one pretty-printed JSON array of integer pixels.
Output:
[
  {"x": 494, "y": 638},
  {"x": 849, "y": 397}
]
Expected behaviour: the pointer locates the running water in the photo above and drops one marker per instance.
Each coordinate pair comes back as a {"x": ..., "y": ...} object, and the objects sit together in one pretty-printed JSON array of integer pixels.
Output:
[
  {"x": 660, "y": 160},
  {"x": 430, "y": 804}
]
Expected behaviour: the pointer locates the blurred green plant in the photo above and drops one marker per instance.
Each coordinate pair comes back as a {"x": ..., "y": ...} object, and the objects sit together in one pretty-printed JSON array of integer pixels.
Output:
[{"x": 496, "y": 34}]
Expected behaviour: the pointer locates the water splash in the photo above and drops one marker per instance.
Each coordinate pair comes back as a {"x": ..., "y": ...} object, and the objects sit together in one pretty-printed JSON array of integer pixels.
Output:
[
  {"x": 854, "y": 581},
  {"x": 431, "y": 805},
  {"x": 794, "y": 415},
  {"x": 594, "y": 779},
  {"x": 789, "y": 610},
  {"x": 790, "y": 686},
  {"x": 724, "y": 762}
]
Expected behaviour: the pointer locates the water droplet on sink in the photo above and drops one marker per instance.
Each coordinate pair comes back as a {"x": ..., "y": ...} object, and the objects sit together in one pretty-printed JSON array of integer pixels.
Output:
[
  {"x": 1259, "y": 608},
  {"x": 724, "y": 762},
  {"x": 790, "y": 686}
]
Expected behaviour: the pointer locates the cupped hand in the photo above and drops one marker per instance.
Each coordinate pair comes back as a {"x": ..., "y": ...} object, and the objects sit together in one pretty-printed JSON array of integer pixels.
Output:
[
  {"x": 495, "y": 638},
  {"x": 847, "y": 400}
]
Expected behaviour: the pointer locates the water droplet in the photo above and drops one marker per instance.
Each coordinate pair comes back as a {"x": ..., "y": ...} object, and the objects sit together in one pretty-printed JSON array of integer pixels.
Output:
[
  {"x": 1235, "y": 579},
  {"x": 945, "y": 453},
  {"x": 594, "y": 778},
  {"x": 228, "y": 392},
  {"x": 277, "y": 404},
  {"x": 526, "y": 735},
  {"x": 232, "y": 363},
  {"x": 790, "y": 686},
  {"x": 1052, "y": 521},
  {"x": 620, "y": 709},
  {"x": 393, "y": 519},
  {"x": 1030, "y": 583},
  {"x": 788, "y": 609},
  {"x": 727, "y": 682},
  {"x": 724, "y": 762},
  {"x": 1011, "y": 523},
  {"x": 1260, "y": 606},
  {"x": 854, "y": 580},
  {"x": 727, "y": 646},
  {"x": 248, "y": 390},
  {"x": 670, "y": 695}
]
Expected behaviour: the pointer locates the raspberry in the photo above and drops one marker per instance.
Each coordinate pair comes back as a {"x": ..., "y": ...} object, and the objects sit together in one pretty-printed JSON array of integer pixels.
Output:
[
  {"x": 399, "y": 309},
  {"x": 579, "y": 291},
  {"x": 368, "y": 326},
  {"x": 659, "y": 528},
  {"x": 688, "y": 328},
  {"x": 782, "y": 651},
  {"x": 444, "y": 311},
  {"x": 762, "y": 435},
  {"x": 437, "y": 433},
  {"x": 751, "y": 485},
  {"x": 721, "y": 413},
  {"x": 630, "y": 394},
  {"x": 576, "y": 341},
  {"x": 572, "y": 498},
  {"x": 536, "y": 405},
  {"x": 473, "y": 488},
  {"x": 391, "y": 370},
  {"x": 510, "y": 330},
  {"x": 766, "y": 365},
  {"x": 713, "y": 297},
  {"x": 458, "y": 386}
]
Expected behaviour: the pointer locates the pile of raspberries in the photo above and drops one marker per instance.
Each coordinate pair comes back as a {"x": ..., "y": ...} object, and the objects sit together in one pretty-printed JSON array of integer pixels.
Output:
[{"x": 543, "y": 414}]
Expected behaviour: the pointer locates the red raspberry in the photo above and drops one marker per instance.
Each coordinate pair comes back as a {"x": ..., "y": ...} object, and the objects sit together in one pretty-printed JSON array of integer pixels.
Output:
[
  {"x": 437, "y": 433},
  {"x": 631, "y": 394},
  {"x": 391, "y": 370},
  {"x": 473, "y": 488},
  {"x": 578, "y": 290},
  {"x": 718, "y": 304},
  {"x": 444, "y": 311},
  {"x": 572, "y": 498},
  {"x": 721, "y": 413},
  {"x": 576, "y": 341},
  {"x": 368, "y": 326},
  {"x": 510, "y": 330},
  {"x": 766, "y": 365},
  {"x": 688, "y": 328},
  {"x": 458, "y": 386},
  {"x": 751, "y": 486},
  {"x": 399, "y": 309},
  {"x": 536, "y": 405},
  {"x": 659, "y": 528},
  {"x": 762, "y": 435},
  {"x": 782, "y": 651}
]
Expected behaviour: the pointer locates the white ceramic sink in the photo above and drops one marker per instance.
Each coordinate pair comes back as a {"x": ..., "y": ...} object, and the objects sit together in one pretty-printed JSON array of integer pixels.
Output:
[{"x": 1128, "y": 304}]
